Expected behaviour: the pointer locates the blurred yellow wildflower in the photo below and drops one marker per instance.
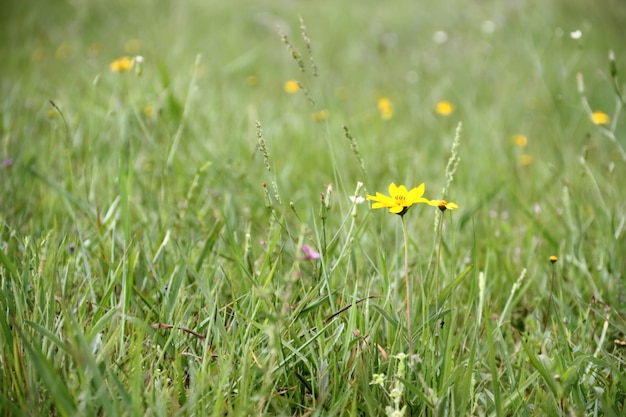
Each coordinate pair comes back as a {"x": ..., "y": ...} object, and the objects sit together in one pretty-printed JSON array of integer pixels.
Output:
[
  {"x": 385, "y": 107},
  {"x": 133, "y": 46},
  {"x": 39, "y": 54},
  {"x": 442, "y": 204},
  {"x": 62, "y": 52},
  {"x": 399, "y": 200},
  {"x": 95, "y": 49},
  {"x": 553, "y": 259},
  {"x": 320, "y": 116},
  {"x": 51, "y": 113},
  {"x": 519, "y": 140},
  {"x": 444, "y": 108},
  {"x": 292, "y": 86},
  {"x": 525, "y": 159},
  {"x": 148, "y": 111},
  {"x": 252, "y": 80},
  {"x": 122, "y": 64},
  {"x": 600, "y": 118}
]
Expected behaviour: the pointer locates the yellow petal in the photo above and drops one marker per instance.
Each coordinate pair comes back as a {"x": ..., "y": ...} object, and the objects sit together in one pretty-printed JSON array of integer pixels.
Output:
[
  {"x": 600, "y": 118},
  {"x": 383, "y": 199},
  {"x": 444, "y": 108},
  {"x": 416, "y": 194},
  {"x": 401, "y": 191},
  {"x": 292, "y": 86},
  {"x": 519, "y": 140}
]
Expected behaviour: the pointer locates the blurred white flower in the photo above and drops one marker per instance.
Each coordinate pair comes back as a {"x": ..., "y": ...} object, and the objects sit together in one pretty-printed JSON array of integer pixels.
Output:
[
  {"x": 488, "y": 27},
  {"x": 440, "y": 37},
  {"x": 576, "y": 34}
]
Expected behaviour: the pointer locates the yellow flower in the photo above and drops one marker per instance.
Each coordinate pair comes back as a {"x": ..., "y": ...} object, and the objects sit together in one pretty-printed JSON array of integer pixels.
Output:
[
  {"x": 292, "y": 86},
  {"x": 95, "y": 49},
  {"x": 252, "y": 80},
  {"x": 39, "y": 54},
  {"x": 600, "y": 118},
  {"x": 62, "y": 52},
  {"x": 385, "y": 107},
  {"x": 148, "y": 111},
  {"x": 399, "y": 199},
  {"x": 443, "y": 205},
  {"x": 320, "y": 116},
  {"x": 133, "y": 46},
  {"x": 553, "y": 259},
  {"x": 444, "y": 108},
  {"x": 525, "y": 159},
  {"x": 122, "y": 64},
  {"x": 519, "y": 140}
]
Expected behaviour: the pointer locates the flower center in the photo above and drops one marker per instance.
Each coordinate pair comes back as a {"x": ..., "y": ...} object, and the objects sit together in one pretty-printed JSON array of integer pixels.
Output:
[{"x": 400, "y": 199}]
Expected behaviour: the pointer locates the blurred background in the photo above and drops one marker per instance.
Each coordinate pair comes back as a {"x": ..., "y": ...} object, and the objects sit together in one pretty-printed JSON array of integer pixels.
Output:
[{"x": 507, "y": 67}]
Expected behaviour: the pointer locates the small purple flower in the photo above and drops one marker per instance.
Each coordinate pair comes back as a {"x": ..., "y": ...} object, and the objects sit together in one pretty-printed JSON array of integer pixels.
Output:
[
  {"x": 7, "y": 163},
  {"x": 72, "y": 249},
  {"x": 309, "y": 253}
]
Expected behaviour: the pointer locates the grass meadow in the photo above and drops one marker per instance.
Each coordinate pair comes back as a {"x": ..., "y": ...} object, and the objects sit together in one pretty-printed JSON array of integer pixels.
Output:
[{"x": 184, "y": 223}]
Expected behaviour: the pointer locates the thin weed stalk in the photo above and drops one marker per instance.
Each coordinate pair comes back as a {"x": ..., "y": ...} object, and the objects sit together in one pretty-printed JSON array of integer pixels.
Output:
[
  {"x": 309, "y": 49},
  {"x": 354, "y": 146},
  {"x": 266, "y": 159},
  {"x": 297, "y": 56},
  {"x": 292, "y": 50},
  {"x": 408, "y": 286},
  {"x": 553, "y": 260},
  {"x": 607, "y": 132},
  {"x": 437, "y": 268}
]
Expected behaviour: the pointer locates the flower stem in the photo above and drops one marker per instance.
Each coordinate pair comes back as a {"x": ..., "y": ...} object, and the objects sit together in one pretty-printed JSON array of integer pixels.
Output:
[
  {"x": 437, "y": 265},
  {"x": 408, "y": 287},
  {"x": 545, "y": 320}
]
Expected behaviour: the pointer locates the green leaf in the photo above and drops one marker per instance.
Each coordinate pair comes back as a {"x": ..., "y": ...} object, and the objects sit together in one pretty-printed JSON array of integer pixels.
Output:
[{"x": 543, "y": 371}]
